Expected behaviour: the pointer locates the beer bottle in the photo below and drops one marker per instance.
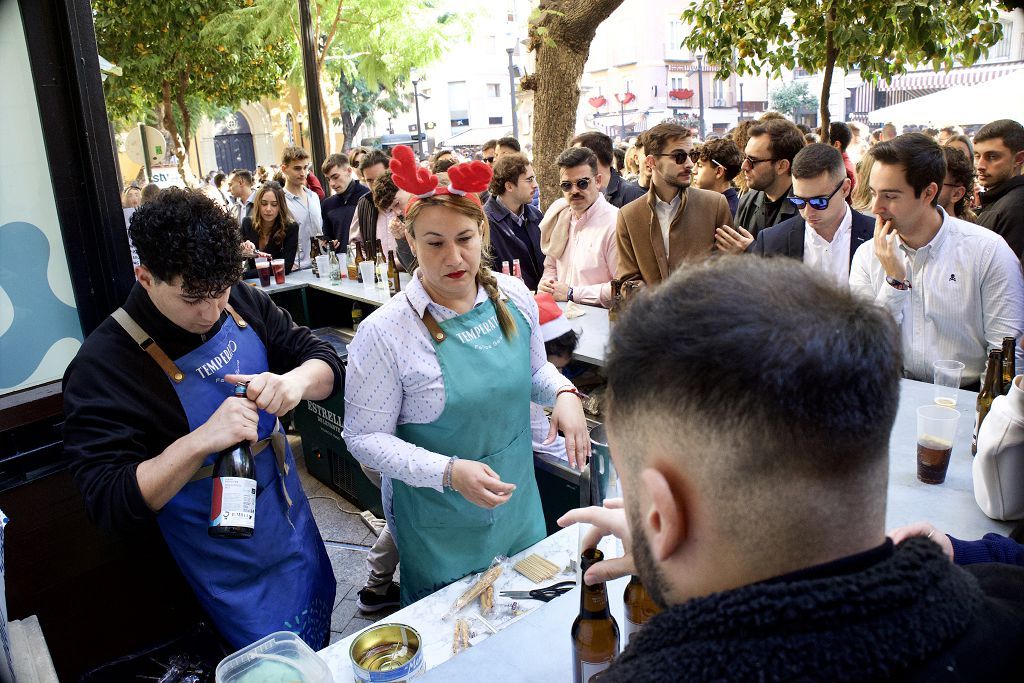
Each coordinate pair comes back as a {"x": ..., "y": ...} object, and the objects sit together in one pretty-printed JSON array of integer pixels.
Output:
[
  {"x": 1009, "y": 362},
  {"x": 595, "y": 635},
  {"x": 233, "y": 504},
  {"x": 615, "y": 307},
  {"x": 314, "y": 251},
  {"x": 351, "y": 266},
  {"x": 394, "y": 283},
  {"x": 359, "y": 259},
  {"x": 993, "y": 375},
  {"x": 357, "y": 316},
  {"x": 335, "y": 266},
  {"x": 638, "y": 607},
  {"x": 380, "y": 267}
]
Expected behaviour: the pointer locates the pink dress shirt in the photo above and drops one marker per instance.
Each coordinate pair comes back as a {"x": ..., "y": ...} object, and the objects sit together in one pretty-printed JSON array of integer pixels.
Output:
[{"x": 591, "y": 255}]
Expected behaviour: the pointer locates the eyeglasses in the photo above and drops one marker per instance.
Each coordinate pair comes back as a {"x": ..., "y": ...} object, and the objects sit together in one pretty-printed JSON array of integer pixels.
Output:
[
  {"x": 754, "y": 161},
  {"x": 488, "y": 160},
  {"x": 819, "y": 203},
  {"x": 581, "y": 184},
  {"x": 680, "y": 156}
]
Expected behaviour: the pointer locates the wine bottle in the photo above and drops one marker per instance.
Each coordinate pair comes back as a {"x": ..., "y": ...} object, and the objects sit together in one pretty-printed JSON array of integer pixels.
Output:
[
  {"x": 233, "y": 505},
  {"x": 993, "y": 377},
  {"x": 335, "y": 266},
  {"x": 595, "y": 635},
  {"x": 638, "y": 607}
]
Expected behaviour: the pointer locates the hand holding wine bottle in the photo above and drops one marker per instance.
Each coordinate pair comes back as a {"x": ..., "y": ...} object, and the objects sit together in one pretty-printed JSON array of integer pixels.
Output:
[
  {"x": 234, "y": 421},
  {"x": 610, "y": 519}
]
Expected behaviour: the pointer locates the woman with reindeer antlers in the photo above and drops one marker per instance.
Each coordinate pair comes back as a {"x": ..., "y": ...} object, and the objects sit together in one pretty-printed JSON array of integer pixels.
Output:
[{"x": 438, "y": 392}]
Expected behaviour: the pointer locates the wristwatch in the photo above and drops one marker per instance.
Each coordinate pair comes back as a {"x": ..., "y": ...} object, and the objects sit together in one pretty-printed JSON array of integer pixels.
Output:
[
  {"x": 568, "y": 296},
  {"x": 901, "y": 285}
]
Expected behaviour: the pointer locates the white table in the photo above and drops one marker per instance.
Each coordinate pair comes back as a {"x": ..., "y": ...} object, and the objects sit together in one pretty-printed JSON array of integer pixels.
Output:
[
  {"x": 592, "y": 328},
  {"x": 537, "y": 647}
]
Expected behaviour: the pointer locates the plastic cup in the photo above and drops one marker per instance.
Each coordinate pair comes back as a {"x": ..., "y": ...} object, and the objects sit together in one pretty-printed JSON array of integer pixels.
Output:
[
  {"x": 936, "y": 429},
  {"x": 278, "y": 266},
  {"x": 947, "y": 381},
  {"x": 323, "y": 265},
  {"x": 263, "y": 270},
  {"x": 366, "y": 272}
]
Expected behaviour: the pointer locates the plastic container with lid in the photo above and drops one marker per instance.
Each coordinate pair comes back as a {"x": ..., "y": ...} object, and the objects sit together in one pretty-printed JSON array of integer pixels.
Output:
[{"x": 281, "y": 657}]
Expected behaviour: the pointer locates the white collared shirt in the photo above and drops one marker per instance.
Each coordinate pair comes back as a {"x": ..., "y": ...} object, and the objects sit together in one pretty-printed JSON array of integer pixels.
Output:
[
  {"x": 393, "y": 377},
  {"x": 832, "y": 259},
  {"x": 665, "y": 211},
  {"x": 306, "y": 212},
  {"x": 967, "y": 293}
]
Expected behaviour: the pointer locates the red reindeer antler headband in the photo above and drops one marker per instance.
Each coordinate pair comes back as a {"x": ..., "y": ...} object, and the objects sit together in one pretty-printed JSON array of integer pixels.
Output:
[{"x": 467, "y": 179}]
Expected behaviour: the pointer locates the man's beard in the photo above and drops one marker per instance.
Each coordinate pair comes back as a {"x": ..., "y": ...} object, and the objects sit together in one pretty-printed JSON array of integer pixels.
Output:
[{"x": 646, "y": 567}]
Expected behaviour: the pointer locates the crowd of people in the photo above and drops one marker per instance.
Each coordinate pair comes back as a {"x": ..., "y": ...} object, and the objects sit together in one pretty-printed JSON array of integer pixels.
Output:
[{"x": 911, "y": 248}]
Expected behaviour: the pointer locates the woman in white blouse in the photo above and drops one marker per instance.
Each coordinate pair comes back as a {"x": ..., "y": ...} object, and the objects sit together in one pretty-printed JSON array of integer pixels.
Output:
[{"x": 438, "y": 392}]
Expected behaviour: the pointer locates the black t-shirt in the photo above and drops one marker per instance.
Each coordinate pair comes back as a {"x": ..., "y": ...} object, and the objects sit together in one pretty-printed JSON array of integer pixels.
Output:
[
  {"x": 338, "y": 209},
  {"x": 120, "y": 408}
]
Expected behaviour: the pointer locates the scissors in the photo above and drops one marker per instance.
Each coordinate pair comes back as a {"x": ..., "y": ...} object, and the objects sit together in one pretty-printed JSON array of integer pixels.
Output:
[{"x": 546, "y": 594}]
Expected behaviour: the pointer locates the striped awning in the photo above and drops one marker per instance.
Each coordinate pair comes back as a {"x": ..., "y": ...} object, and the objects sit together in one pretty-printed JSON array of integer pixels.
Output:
[{"x": 939, "y": 80}]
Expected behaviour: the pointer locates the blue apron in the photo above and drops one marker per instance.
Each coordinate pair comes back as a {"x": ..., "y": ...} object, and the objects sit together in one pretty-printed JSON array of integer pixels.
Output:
[
  {"x": 442, "y": 536},
  {"x": 281, "y": 578}
]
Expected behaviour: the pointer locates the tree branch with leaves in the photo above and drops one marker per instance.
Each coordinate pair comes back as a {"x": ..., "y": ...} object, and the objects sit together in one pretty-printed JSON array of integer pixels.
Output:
[{"x": 880, "y": 38}]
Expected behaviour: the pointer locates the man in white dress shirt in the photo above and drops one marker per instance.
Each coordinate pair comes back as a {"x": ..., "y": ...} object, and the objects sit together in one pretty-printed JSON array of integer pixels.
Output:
[
  {"x": 303, "y": 204},
  {"x": 955, "y": 288}
]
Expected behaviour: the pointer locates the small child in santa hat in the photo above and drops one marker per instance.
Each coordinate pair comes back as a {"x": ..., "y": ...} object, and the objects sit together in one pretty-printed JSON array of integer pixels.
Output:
[{"x": 559, "y": 343}]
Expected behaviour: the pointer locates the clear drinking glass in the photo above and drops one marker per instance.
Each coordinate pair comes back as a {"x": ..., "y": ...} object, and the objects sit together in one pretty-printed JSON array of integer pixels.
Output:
[{"x": 947, "y": 381}]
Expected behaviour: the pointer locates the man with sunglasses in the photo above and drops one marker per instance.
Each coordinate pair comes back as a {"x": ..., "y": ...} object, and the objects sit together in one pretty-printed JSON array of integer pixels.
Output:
[
  {"x": 674, "y": 223},
  {"x": 767, "y": 161},
  {"x": 827, "y": 232},
  {"x": 617, "y": 190},
  {"x": 577, "y": 234}
]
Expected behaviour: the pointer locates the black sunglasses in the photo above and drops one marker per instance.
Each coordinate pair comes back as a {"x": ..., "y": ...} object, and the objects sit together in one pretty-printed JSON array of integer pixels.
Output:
[
  {"x": 680, "y": 156},
  {"x": 488, "y": 160},
  {"x": 581, "y": 184},
  {"x": 819, "y": 203}
]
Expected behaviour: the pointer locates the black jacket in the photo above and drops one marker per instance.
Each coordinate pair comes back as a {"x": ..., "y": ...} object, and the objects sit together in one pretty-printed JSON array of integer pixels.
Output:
[
  {"x": 911, "y": 616},
  {"x": 621, "y": 191},
  {"x": 510, "y": 241},
  {"x": 286, "y": 250},
  {"x": 752, "y": 211},
  {"x": 787, "y": 238},
  {"x": 337, "y": 211},
  {"x": 120, "y": 408},
  {"x": 1002, "y": 212}
]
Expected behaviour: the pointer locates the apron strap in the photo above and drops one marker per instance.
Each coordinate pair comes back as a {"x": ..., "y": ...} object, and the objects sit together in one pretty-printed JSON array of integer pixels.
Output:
[
  {"x": 147, "y": 344},
  {"x": 435, "y": 330},
  {"x": 239, "y": 320}
]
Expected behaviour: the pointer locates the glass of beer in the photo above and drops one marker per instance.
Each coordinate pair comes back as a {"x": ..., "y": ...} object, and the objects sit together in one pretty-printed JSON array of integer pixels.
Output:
[
  {"x": 936, "y": 429},
  {"x": 278, "y": 266},
  {"x": 947, "y": 381},
  {"x": 263, "y": 270}
]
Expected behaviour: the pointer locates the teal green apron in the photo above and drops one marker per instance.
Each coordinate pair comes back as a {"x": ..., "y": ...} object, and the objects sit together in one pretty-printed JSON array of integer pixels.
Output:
[{"x": 487, "y": 383}]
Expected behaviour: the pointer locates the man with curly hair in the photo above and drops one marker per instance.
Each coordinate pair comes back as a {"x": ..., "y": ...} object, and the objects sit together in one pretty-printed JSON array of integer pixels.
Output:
[{"x": 149, "y": 404}]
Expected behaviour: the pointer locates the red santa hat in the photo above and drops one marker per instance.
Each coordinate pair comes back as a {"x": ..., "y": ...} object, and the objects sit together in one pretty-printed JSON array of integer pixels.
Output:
[{"x": 553, "y": 323}]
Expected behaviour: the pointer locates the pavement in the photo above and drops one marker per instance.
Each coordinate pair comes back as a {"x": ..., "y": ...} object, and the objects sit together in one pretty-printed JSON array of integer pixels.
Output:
[{"x": 348, "y": 541}]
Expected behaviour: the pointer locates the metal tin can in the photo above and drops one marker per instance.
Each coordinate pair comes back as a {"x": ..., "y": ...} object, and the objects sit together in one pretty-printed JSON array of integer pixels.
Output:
[{"x": 387, "y": 653}]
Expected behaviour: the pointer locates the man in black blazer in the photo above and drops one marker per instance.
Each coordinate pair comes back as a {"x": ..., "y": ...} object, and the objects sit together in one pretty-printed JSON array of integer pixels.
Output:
[{"x": 826, "y": 232}]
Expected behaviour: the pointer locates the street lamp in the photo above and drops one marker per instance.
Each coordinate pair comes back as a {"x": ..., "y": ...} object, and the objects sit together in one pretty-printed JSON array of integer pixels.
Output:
[
  {"x": 740, "y": 118},
  {"x": 512, "y": 89},
  {"x": 416, "y": 97},
  {"x": 700, "y": 92}
]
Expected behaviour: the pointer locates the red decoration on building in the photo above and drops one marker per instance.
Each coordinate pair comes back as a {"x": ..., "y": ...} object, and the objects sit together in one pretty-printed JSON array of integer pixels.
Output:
[
  {"x": 597, "y": 102},
  {"x": 680, "y": 94},
  {"x": 625, "y": 99}
]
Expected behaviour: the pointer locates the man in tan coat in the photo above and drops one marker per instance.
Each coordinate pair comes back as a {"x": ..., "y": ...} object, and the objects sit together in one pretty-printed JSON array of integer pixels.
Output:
[{"x": 673, "y": 223}]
